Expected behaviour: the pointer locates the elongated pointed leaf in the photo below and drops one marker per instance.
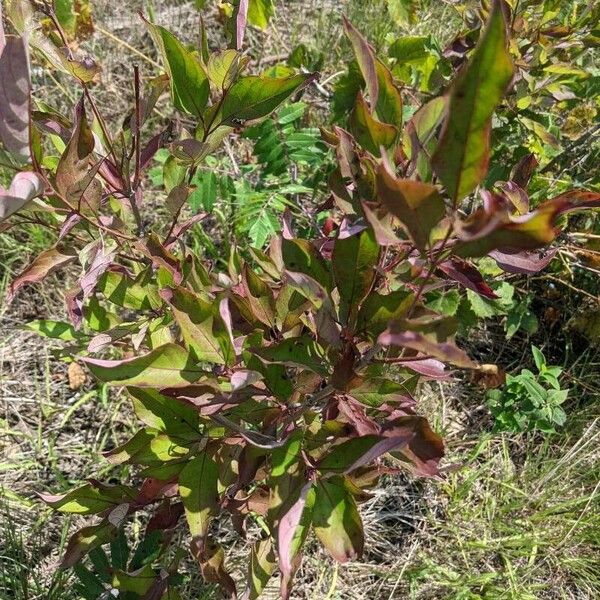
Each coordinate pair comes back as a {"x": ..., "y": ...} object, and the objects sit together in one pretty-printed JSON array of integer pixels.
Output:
[
  {"x": 461, "y": 158},
  {"x": 368, "y": 131},
  {"x": 354, "y": 260},
  {"x": 166, "y": 366},
  {"x": 298, "y": 351},
  {"x": 147, "y": 447},
  {"x": 85, "y": 540},
  {"x": 201, "y": 326},
  {"x": 418, "y": 206},
  {"x": 198, "y": 491},
  {"x": 360, "y": 451},
  {"x": 189, "y": 83},
  {"x": 15, "y": 88},
  {"x": 445, "y": 351},
  {"x": 336, "y": 521},
  {"x": 255, "y": 97},
  {"x": 164, "y": 413},
  {"x": 74, "y": 174},
  {"x": 262, "y": 565},
  {"x": 87, "y": 499},
  {"x": 23, "y": 188},
  {"x": 47, "y": 262},
  {"x": 366, "y": 60}
]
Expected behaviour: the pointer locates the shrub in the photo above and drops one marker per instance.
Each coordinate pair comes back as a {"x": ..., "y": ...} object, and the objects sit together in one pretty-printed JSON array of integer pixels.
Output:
[
  {"x": 269, "y": 391},
  {"x": 530, "y": 401}
]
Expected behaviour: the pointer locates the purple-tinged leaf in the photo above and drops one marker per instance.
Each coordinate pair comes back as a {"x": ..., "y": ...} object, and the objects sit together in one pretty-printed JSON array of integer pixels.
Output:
[
  {"x": 366, "y": 60},
  {"x": 354, "y": 260},
  {"x": 418, "y": 206},
  {"x": 360, "y": 451},
  {"x": 241, "y": 17},
  {"x": 573, "y": 200},
  {"x": 161, "y": 257},
  {"x": 166, "y": 366},
  {"x": 425, "y": 450},
  {"x": 516, "y": 195},
  {"x": 467, "y": 275},
  {"x": 523, "y": 261},
  {"x": 47, "y": 262},
  {"x": 15, "y": 88},
  {"x": 85, "y": 540},
  {"x": 291, "y": 530},
  {"x": 23, "y": 189},
  {"x": 102, "y": 259},
  {"x": 523, "y": 170},
  {"x": 75, "y": 177},
  {"x": 212, "y": 565},
  {"x": 69, "y": 223},
  {"x": 368, "y": 131},
  {"x": 428, "y": 367},
  {"x": 444, "y": 351}
]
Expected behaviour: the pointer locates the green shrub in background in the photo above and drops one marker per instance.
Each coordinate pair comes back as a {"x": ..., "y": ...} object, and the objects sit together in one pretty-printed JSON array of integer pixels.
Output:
[
  {"x": 530, "y": 401},
  {"x": 271, "y": 384}
]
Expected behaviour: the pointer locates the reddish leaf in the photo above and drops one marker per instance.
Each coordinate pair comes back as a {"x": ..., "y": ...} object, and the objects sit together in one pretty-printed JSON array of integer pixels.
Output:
[
  {"x": 24, "y": 187},
  {"x": 15, "y": 88},
  {"x": 47, "y": 262},
  {"x": 467, "y": 275},
  {"x": 366, "y": 60},
  {"x": 74, "y": 175},
  {"x": 443, "y": 350},
  {"x": 523, "y": 262}
]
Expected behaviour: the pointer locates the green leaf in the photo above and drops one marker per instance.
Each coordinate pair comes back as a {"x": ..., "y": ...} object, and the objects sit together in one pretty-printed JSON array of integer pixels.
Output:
[
  {"x": 201, "y": 325},
  {"x": 166, "y": 366},
  {"x": 445, "y": 303},
  {"x": 368, "y": 131},
  {"x": 261, "y": 567},
  {"x": 418, "y": 206},
  {"x": 539, "y": 358},
  {"x": 365, "y": 59},
  {"x": 379, "y": 309},
  {"x": 138, "y": 583},
  {"x": 138, "y": 294},
  {"x": 163, "y": 413},
  {"x": 302, "y": 256},
  {"x": 254, "y": 97},
  {"x": 198, "y": 491},
  {"x": 336, "y": 521},
  {"x": 57, "y": 330},
  {"x": 147, "y": 447},
  {"x": 462, "y": 155},
  {"x": 298, "y": 351},
  {"x": 260, "y": 12},
  {"x": 189, "y": 83},
  {"x": 354, "y": 260},
  {"x": 224, "y": 67},
  {"x": 402, "y": 12},
  {"x": 486, "y": 307},
  {"x": 87, "y": 499},
  {"x": 377, "y": 391},
  {"x": 87, "y": 539}
]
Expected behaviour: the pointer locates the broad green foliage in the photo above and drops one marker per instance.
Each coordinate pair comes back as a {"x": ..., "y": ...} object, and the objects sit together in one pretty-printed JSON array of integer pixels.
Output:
[
  {"x": 272, "y": 380},
  {"x": 529, "y": 400}
]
